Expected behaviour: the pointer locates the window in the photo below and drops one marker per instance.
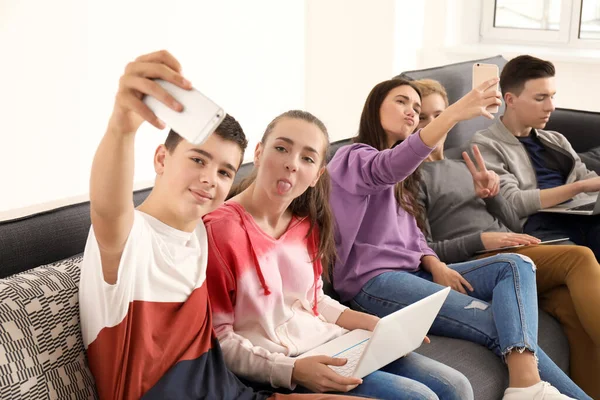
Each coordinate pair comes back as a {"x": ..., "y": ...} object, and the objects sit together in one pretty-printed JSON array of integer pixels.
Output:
[
  {"x": 589, "y": 23},
  {"x": 569, "y": 22},
  {"x": 536, "y": 14}
]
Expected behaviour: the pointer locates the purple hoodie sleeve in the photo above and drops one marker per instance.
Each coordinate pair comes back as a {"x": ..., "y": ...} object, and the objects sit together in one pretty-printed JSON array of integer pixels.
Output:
[
  {"x": 425, "y": 249},
  {"x": 362, "y": 170}
]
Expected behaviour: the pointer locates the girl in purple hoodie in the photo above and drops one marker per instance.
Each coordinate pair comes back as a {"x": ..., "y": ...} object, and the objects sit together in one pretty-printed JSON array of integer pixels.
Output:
[{"x": 383, "y": 260}]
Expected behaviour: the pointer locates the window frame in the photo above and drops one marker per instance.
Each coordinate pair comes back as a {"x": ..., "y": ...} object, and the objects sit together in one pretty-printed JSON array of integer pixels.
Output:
[
  {"x": 567, "y": 35},
  {"x": 575, "y": 26}
]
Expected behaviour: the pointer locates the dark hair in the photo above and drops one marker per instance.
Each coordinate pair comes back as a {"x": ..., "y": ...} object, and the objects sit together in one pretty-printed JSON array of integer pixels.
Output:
[
  {"x": 522, "y": 69},
  {"x": 314, "y": 202},
  {"x": 371, "y": 132},
  {"x": 229, "y": 129}
]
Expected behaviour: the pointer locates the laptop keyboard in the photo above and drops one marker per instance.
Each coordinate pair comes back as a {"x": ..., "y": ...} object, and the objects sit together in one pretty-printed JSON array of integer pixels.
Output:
[
  {"x": 353, "y": 355},
  {"x": 584, "y": 207}
]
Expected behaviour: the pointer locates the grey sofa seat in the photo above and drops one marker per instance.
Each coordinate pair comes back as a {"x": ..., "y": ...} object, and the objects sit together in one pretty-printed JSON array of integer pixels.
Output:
[{"x": 487, "y": 374}]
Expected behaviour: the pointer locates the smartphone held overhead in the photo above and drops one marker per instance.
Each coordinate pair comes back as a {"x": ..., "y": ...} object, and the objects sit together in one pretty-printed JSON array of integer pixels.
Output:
[
  {"x": 484, "y": 72},
  {"x": 199, "y": 118}
]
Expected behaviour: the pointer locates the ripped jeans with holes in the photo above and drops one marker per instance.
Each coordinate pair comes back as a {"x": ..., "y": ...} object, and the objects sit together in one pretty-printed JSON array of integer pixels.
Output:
[{"x": 508, "y": 323}]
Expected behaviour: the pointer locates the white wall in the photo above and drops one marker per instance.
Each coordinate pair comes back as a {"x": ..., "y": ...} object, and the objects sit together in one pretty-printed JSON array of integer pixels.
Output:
[
  {"x": 351, "y": 45},
  {"x": 61, "y": 62},
  {"x": 349, "y": 48},
  {"x": 256, "y": 58}
]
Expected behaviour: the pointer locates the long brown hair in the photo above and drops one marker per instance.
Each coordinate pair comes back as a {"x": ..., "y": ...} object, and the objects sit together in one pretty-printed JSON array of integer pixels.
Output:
[
  {"x": 314, "y": 202},
  {"x": 371, "y": 132}
]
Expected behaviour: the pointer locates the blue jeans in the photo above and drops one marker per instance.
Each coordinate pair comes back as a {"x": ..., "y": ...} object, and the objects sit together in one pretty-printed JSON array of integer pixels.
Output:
[
  {"x": 510, "y": 322},
  {"x": 415, "y": 377},
  {"x": 411, "y": 377}
]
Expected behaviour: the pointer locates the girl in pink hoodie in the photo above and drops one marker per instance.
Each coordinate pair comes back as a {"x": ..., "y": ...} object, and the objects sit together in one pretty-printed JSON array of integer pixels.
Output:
[{"x": 268, "y": 246}]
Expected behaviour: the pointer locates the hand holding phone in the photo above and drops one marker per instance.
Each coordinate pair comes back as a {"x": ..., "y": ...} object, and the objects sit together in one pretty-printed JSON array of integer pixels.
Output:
[
  {"x": 482, "y": 73},
  {"x": 129, "y": 112},
  {"x": 199, "y": 118}
]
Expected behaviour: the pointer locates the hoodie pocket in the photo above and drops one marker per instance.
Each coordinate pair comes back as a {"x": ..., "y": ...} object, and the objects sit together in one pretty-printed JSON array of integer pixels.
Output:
[{"x": 304, "y": 331}]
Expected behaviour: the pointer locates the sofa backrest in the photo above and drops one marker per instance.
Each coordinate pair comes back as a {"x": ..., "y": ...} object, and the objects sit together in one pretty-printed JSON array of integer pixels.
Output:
[
  {"x": 457, "y": 79},
  {"x": 46, "y": 237},
  {"x": 581, "y": 128}
]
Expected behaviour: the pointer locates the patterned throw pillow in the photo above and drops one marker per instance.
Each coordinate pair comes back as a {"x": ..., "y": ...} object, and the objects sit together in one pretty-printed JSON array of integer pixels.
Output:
[{"x": 41, "y": 350}]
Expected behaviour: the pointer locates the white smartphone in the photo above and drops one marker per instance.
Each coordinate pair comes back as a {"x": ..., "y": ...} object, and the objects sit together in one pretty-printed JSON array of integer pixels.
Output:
[
  {"x": 482, "y": 73},
  {"x": 199, "y": 118},
  {"x": 522, "y": 245}
]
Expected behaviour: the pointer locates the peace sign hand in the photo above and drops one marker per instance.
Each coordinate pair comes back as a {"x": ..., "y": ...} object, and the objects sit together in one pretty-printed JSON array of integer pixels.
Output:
[{"x": 486, "y": 183}]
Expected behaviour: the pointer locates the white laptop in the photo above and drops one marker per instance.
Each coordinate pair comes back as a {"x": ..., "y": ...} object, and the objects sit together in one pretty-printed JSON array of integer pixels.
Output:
[
  {"x": 587, "y": 206},
  {"x": 395, "y": 336}
]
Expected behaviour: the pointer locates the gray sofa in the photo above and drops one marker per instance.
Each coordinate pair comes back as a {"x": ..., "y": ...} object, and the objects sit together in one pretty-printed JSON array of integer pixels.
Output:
[{"x": 41, "y": 351}]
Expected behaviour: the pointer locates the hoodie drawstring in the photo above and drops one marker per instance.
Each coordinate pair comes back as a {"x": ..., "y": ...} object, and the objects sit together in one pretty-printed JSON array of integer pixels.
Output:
[
  {"x": 241, "y": 212},
  {"x": 317, "y": 271},
  {"x": 261, "y": 277}
]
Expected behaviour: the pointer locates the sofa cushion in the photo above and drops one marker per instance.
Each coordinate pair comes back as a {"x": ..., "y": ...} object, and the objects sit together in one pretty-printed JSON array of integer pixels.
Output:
[
  {"x": 486, "y": 372},
  {"x": 41, "y": 350},
  {"x": 457, "y": 79},
  {"x": 591, "y": 159}
]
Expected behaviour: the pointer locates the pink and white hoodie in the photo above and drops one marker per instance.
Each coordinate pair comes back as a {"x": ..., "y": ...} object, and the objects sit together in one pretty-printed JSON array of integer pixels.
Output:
[{"x": 266, "y": 295}]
